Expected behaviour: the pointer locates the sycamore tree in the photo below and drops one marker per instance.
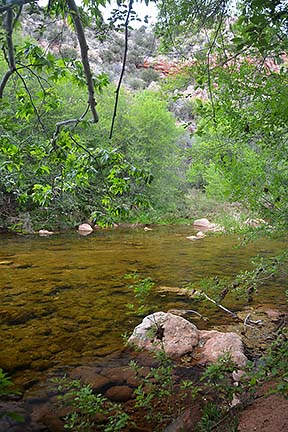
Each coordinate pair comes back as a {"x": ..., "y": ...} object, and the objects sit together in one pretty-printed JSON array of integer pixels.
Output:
[{"x": 46, "y": 163}]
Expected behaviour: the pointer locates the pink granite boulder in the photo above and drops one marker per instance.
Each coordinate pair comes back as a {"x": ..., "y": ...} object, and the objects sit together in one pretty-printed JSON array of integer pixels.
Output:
[
  {"x": 172, "y": 333},
  {"x": 213, "y": 344}
]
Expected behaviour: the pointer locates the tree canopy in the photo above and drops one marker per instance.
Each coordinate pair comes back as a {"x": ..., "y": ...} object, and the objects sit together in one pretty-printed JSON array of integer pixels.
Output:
[{"x": 52, "y": 151}]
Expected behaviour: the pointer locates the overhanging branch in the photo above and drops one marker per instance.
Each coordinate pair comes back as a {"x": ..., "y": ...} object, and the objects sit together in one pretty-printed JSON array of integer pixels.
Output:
[
  {"x": 10, "y": 50},
  {"x": 73, "y": 9}
]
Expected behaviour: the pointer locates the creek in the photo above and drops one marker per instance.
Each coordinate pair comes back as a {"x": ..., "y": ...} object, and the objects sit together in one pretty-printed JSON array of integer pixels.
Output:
[{"x": 63, "y": 299}]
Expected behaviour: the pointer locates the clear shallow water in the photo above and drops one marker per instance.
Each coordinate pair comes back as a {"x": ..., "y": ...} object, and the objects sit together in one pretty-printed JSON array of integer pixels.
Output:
[{"x": 63, "y": 298}]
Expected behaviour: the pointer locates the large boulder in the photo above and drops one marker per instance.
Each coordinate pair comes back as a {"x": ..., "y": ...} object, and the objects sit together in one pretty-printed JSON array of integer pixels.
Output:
[
  {"x": 172, "y": 333},
  {"x": 213, "y": 344}
]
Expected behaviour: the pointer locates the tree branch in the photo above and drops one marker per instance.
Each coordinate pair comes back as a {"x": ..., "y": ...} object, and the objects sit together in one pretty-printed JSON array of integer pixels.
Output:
[
  {"x": 73, "y": 9},
  {"x": 11, "y": 3},
  {"x": 123, "y": 68},
  {"x": 219, "y": 305},
  {"x": 10, "y": 47},
  {"x": 31, "y": 100},
  {"x": 75, "y": 121},
  {"x": 17, "y": 16}
]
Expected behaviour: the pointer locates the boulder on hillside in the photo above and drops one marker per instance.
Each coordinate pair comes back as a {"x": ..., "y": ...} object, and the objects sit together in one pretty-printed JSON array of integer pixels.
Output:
[
  {"x": 172, "y": 333},
  {"x": 255, "y": 223},
  {"x": 202, "y": 222}
]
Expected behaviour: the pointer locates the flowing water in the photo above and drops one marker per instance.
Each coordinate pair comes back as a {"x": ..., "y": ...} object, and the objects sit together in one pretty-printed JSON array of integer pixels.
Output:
[{"x": 63, "y": 299}]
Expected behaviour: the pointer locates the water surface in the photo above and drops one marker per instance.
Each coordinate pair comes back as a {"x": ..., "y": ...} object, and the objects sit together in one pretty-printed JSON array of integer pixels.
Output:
[{"x": 63, "y": 299}]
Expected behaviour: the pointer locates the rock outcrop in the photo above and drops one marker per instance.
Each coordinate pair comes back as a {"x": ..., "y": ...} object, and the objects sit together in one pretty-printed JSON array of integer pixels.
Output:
[{"x": 178, "y": 336}]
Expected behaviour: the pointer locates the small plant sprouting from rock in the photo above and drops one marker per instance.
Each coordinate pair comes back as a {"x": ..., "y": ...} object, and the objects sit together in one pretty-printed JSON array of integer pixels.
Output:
[{"x": 6, "y": 385}]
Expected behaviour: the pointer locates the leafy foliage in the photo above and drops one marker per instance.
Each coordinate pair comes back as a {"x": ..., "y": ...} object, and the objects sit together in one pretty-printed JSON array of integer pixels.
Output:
[
  {"x": 89, "y": 409},
  {"x": 272, "y": 367},
  {"x": 5, "y": 383}
]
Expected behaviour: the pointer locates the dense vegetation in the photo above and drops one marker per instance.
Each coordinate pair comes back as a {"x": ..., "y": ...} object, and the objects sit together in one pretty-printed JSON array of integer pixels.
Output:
[
  {"x": 58, "y": 167},
  {"x": 77, "y": 146}
]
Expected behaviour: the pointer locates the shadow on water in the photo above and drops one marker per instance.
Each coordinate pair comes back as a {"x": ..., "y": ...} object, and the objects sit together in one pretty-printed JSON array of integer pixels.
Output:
[{"x": 63, "y": 299}]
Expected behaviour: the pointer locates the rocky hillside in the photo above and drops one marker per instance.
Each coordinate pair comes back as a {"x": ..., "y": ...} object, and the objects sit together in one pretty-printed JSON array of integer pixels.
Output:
[
  {"x": 145, "y": 65},
  {"x": 106, "y": 48}
]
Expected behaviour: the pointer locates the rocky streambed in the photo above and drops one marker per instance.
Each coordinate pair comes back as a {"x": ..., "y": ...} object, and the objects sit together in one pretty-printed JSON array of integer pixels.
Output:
[{"x": 118, "y": 381}]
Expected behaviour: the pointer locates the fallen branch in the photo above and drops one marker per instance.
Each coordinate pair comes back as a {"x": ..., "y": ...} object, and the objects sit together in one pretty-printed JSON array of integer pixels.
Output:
[
  {"x": 219, "y": 305},
  {"x": 181, "y": 312}
]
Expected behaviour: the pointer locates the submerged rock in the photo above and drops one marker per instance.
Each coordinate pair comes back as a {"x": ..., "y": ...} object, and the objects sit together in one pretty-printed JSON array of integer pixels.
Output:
[
  {"x": 120, "y": 393},
  {"x": 198, "y": 236}
]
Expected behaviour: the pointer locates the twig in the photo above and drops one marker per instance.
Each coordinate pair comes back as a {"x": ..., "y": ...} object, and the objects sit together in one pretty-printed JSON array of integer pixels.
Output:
[
  {"x": 219, "y": 305},
  {"x": 85, "y": 149},
  {"x": 31, "y": 100},
  {"x": 75, "y": 121},
  {"x": 245, "y": 321},
  {"x": 123, "y": 68}
]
